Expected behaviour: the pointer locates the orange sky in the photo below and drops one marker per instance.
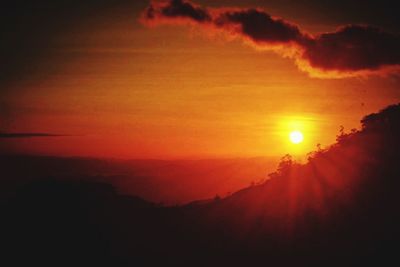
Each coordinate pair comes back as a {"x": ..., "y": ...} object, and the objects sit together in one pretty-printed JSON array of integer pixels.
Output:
[{"x": 121, "y": 89}]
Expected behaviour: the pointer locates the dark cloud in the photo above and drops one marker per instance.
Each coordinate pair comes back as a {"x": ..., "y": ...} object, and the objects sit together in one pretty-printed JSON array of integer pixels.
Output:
[
  {"x": 383, "y": 13},
  {"x": 349, "y": 51},
  {"x": 260, "y": 26},
  {"x": 178, "y": 9},
  {"x": 28, "y": 135},
  {"x": 29, "y": 29},
  {"x": 354, "y": 48}
]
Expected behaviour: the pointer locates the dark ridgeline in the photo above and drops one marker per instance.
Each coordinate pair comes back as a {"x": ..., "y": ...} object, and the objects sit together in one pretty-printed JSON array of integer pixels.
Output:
[
  {"x": 161, "y": 181},
  {"x": 339, "y": 209}
]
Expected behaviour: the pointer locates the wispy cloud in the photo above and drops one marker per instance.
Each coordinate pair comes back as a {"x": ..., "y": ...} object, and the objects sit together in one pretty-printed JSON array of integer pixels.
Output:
[{"x": 28, "y": 135}]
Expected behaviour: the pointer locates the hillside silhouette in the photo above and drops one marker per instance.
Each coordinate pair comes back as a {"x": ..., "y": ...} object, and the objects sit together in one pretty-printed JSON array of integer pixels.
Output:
[
  {"x": 162, "y": 181},
  {"x": 338, "y": 209}
]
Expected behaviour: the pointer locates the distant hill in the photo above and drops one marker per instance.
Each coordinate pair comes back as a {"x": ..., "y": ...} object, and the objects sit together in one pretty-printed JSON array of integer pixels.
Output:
[
  {"x": 338, "y": 209},
  {"x": 166, "y": 181}
]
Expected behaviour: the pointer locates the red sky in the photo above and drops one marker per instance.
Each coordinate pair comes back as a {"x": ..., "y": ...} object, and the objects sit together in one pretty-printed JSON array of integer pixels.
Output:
[{"x": 118, "y": 88}]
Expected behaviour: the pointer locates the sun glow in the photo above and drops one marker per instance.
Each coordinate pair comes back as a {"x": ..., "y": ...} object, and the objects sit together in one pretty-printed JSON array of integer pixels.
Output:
[
  {"x": 297, "y": 134},
  {"x": 296, "y": 137}
]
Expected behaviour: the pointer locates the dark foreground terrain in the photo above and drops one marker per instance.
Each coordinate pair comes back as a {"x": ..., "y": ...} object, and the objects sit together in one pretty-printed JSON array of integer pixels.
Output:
[
  {"x": 169, "y": 182},
  {"x": 339, "y": 209}
]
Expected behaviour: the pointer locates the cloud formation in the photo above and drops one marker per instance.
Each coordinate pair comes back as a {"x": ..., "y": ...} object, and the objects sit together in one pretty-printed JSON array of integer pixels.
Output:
[
  {"x": 353, "y": 48},
  {"x": 349, "y": 51},
  {"x": 27, "y": 135},
  {"x": 177, "y": 9}
]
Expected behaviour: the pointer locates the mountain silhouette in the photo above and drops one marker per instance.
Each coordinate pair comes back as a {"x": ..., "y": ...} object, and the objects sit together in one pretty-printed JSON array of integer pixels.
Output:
[
  {"x": 162, "y": 181},
  {"x": 338, "y": 209}
]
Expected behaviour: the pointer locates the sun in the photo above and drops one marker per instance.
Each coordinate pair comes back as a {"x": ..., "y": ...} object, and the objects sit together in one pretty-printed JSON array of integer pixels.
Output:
[{"x": 296, "y": 137}]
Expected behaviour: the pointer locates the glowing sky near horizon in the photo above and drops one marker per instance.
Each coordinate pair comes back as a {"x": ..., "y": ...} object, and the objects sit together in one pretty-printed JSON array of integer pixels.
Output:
[{"x": 120, "y": 89}]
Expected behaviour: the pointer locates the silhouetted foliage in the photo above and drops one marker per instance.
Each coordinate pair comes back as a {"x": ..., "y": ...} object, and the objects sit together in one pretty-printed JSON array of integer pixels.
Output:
[
  {"x": 285, "y": 164},
  {"x": 341, "y": 208}
]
